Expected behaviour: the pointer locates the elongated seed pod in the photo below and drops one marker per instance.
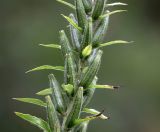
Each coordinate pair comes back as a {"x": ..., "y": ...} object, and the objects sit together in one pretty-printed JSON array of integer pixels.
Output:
[
  {"x": 88, "y": 76},
  {"x": 88, "y": 93},
  {"x": 66, "y": 78},
  {"x": 71, "y": 70},
  {"x": 57, "y": 94},
  {"x": 98, "y": 9},
  {"x": 75, "y": 35},
  {"x": 52, "y": 116},
  {"x": 81, "y": 14},
  {"x": 100, "y": 31},
  {"x": 65, "y": 45},
  {"x": 73, "y": 111},
  {"x": 87, "y": 5},
  {"x": 88, "y": 33},
  {"x": 92, "y": 56},
  {"x": 82, "y": 127}
]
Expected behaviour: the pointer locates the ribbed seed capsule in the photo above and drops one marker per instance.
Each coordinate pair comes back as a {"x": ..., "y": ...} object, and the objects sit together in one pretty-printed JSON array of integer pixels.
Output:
[
  {"x": 74, "y": 110},
  {"x": 75, "y": 35},
  {"x": 88, "y": 76},
  {"x": 65, "y": 45},
  {"x": 88, "y": 34},
  {"x": 100, "y": 31},
  {"x": 57, "y": 94},
  {"x": 81, "y": 14},
  {"x": 87, "y": 5},
  {"x": 82, "y": 127},
  {"x": 88, "y": 93},
  {"x": 52, "y": 116},
  {"x": 71, "y": 70},
  {"x": 98, "y": 9}
]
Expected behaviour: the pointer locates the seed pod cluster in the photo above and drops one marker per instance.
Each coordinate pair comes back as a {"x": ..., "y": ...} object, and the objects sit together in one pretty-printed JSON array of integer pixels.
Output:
[{"x": 82, "y": 59}]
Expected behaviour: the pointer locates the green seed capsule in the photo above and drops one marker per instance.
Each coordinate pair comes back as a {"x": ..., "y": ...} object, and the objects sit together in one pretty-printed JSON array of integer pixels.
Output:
[
  {"x": 74, "y": 110},
  {"x": 87, "y": 5},
  {"x": 82, "y": 127},
  {"x": 100, "y": 31},
  {"x": 98, "y": 9},
  {"x": 57, "y": 94},
  {"x": 75, "y": 35},
  {"x": 65, "y": 45},
  {"x": 88, "y": 34},
  {"x": 88, "y": 94},
  {"x": 71, "y": 70},
  {"x": 87, "y": 78},
  {"x": 81, "y": 15},
  {"x": 52, "y": 116}
]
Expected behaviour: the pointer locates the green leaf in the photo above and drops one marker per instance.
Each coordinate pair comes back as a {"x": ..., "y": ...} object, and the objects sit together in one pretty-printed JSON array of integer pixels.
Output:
[
  {"x": 40, "y": 123},
  {"x": 104, "y": 86},
  {"x": 94, "y": 112},
  {"x": 47, "y": 67},
  {"x": 45, "y": 92},
  {"x": 111, "y": 13},
  {"x": 67, "y": 3},
  {"x": 116, "y": 4},
  {"x": 56, "y": 46},
  {"x": 52, "y": 116},
  {"x": 72, "y": 23},
  {"x": 31, "y": 101},
  {"x": 89, "y": 118},
  {"x": 115, "y": 42}
]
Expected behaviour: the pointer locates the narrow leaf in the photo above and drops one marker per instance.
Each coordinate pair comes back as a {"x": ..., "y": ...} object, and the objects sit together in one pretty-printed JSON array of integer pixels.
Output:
[
  {"x": 116, "y": 4},
  {"x": 111, "y": 13},
  {"x": 47, "y": 67},
  {"x": 45, "y": 92},
  {"x": 94, "y": 112},
  {"x": 67, "y": 3},
  {"x": 79, "y": 121},
  {"x": 104, "y": 86},
  {"x": 72, "y": 23},
  {"x": 31, "y": 101},
  {"x": 52, "y": 116},
  {"x": 40, "y": 123},
  {"x": 115, "y": 42},
  {"x": 56, "y": 46}
]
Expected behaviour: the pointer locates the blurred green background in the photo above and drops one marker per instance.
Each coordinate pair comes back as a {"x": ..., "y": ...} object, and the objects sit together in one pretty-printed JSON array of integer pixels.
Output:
[{"x": 136, "y": 67}]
